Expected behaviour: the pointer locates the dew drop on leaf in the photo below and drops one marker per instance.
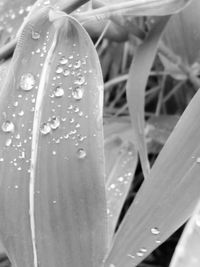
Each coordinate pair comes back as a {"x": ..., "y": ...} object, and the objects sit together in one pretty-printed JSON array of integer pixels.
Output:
[
  {"x": 66, "y": 72},
  {"x": 8, "y": 127},
  {"x": 81, "y": 153},
  {"x": 63, "y": 60},
  {"x": 45, "y": 128},
  {"x": 77, "y": 64},
  {"x": 59, "y": 69},
  {"x": 35, "y": 35},
  {"x": 27, "y": 81},
  {"x": 59, "y": 91},
  {"x": 198, "y": 160},
  {"x": 8, "y": 142},
  {"x": 155, "y": 231},
  {"x": 55, "y": 123},
  {"x": 77, "y": 93},
  {"x": 79, "y": 80}
]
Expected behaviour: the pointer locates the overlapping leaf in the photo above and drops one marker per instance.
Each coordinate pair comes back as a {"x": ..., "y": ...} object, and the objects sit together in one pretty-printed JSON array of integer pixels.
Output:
[
  {"x": 121, "y": 161},
  {"x": 52, "y": 199},
  {"x": 153, "y": 215},
  {"x": 136, "y": 84},
  {"x": 187, "y": 250}
]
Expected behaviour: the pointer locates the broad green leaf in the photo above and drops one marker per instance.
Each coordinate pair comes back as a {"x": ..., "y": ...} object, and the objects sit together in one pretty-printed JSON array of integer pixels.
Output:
[
  {"x": 52, "y": 194},
  {"x": 187, "y": 250},
  {"x": 167, "y": 198},
  {"x": 12, "y": 14},
  {"x": 136, "y": 84}
]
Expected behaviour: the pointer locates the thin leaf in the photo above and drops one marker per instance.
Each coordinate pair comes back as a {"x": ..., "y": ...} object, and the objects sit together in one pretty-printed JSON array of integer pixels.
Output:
[
  {"x": 167, "y": 198},
  {"x": 136, "y": 84},
  {"x": 118, "y": 183},
  {"x": 52, "y": 194},
  {"x": 187, "y": 250},
  {"x": 135, "y": 8}
]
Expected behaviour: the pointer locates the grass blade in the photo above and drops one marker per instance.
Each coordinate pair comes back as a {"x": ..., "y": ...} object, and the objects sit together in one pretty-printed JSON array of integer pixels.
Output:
[
  {"x": 52, "y": 200},
  {"x": 136, "y": 84},
  {"x": 172, "y": 188}
]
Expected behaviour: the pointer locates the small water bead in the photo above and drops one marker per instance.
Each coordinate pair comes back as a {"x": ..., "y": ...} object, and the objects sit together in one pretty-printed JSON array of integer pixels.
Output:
[
  {"x": 27, "y": 82},
  {"x": 55, "y": 123},
  {"x": 63, "y": 60},
  {"x": 198, "y": 160},
  {"x": 21, "y": 113},
  {"x": 139, "y": 254},
  {"x": 59, "y": 91},
  {"x": 1, "y": 159},
  {"x": 8, "y": 142},
  {"x": 35, "y": 35},
  {"x": 53, "y": 153},
  {"x": 15, "y": 104},
  {"x": 155, "y": 231},
  {"x": 45, "y": 128},
  {"x": 77, "y": 93},
  {"x": 81, "y": 153},
  {"x": 79, "y": 80},
  {"x": 121, "y": 179},
  {"x": 8, "y": 127},
  {"x": 59, "y": 69},
  {"x": 143, "y": 250},
  {"x": 66, "y": 72},
  {"x": 77, "y": 64}
]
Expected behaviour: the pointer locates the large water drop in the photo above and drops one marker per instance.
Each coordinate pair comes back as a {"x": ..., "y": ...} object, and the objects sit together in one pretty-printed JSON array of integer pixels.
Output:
[
  {"x": 8, "y": 127},
  {"x": 35, "y": 35},
  {"x": 55, "y": 123},
  {"x": 155, "y": 231}
]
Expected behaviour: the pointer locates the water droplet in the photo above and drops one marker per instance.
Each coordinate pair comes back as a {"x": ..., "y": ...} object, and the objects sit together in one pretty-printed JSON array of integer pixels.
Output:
[
  {"x": 81, "y": 153},
  {"x": 8, "y": 127},
  {"x": 54, "y": 153},
  {"x": 143, "y": 250},
  {"x": 35, "y": 35},
  {"x": 55, "y": 123},
  {"x": 21, "y": 113},
  {"x": 8, "y": 142},
  {"x": 66, "y": 72},
  {"x": 22, "y": 155},
  {"x": 45, "y": 128},
  {"x": 121, "y": 179},
  {"x": 27, "y": 81},
  {"x": 59, "y": 91},
  {"x": 59, "y": 69},
  {"x": 139, "y": 254},
  {"x": 155, "y": 231},
  {"x": 77, "y": 93},
  {"x": 15, "y": 104},
  {"x": 1, "y": 159},
  {"x": 63, "y": 60},
  {"x": 198, "y": 160},
  {"x": 77, "y": 64},
  {"x": 16, "y": 186},
  {"x": 80, "y": 80}
]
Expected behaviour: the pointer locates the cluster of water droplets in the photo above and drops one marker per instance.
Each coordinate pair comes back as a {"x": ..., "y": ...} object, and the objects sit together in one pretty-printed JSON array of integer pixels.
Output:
[
  {"x": 68, "y": 86},
  {"x": 11, "y": 19}
]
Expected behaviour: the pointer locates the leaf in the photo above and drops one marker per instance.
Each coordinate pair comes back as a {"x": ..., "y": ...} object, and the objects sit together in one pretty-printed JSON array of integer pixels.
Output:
[
  {"x": 121, "y": 161},
  {"x": 167, "y": 198},
  {"x": 136, "y": 84},
  {"x": 52, "y": 194},
  {"x": 182, "y": 34},
  {"x": 109, "y": 9},
  {"x": 12, "y": 14},
  {"x": 187, "y": 250}
]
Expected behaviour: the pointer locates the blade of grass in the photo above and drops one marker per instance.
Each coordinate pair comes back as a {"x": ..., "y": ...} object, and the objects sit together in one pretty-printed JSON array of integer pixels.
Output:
[
  {"x": 52, "y": 200},
  {"x": 167, "y": 198},
  {"x": 136, "y": 84}
]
